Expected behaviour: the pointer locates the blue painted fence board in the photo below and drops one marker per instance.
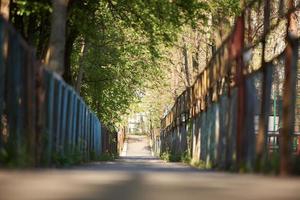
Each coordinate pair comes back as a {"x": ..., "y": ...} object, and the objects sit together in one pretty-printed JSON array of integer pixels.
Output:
[
  {"x": 75, "y": 106},
  {"x": 65, "y": 98},
  {"x": 58, "y": 116},
  {"x": 13, "y": 96},
  {"x": 69, "y": 121},
  {"x": 50, "y": 128}
]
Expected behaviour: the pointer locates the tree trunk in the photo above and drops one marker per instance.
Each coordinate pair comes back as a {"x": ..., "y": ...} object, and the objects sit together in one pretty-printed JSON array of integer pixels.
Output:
[
  {"x": 56, "y": 51},
  {"x": 289, "y": 93},
  {"x": 262, "y": 136},
  {"x": 186, "y": 64},
  {"x": 5, "y": 5},
  {"x": 80, "y": 72},
  {"x": 31, "y": 30},
  {"x": 68, "y": 51}
]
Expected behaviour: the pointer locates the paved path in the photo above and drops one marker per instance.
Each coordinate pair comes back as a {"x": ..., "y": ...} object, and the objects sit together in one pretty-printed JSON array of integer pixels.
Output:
[{"x": 139, "y": 176}]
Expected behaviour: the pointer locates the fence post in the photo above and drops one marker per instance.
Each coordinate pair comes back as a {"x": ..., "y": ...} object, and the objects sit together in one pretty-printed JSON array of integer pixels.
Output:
[
  {"x": 80, "y": 146},
  {"x": 78, "y": 126},
  {"x": 88, "y": 134},
  {"x": 224, "y": 112},
  {"x": 262, "y": 137},
  {"x": 2, "y": 78},
  {"x": 50, "y": 109},
  {"x": 65, "y": 97},
  {"x": 97, "y": 138},
  {"x": 249, "y": 141},
  {"x": 58, "y": 116},
  {"x": 93, "y": 134},
  {"x": 69, "y": 122},
  {"x": 30, "y": 106},
  {"x": 289, "y": 92},
  {"x": 14, "y": 106},
  {"x": 232, "y": 129},
  {"x": 92, "y": 148},
  {"x": 75, "y": 122},
  {"x": 240, "y": 81},
  {"x": 83, "y": 130}
]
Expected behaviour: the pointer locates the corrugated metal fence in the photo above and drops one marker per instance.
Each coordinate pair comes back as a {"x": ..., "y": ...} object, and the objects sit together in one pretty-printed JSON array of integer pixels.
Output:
[
  {"x": 70, "y": 128},
  {"x": 43, "y": 120},
  {"x": 223, "y": 119}
]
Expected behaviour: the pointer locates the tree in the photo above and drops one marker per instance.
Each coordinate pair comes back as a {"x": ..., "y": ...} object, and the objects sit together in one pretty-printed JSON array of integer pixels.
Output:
[
  {"x": 5, "y": 5},
  {"x": 56, "y": 52}
]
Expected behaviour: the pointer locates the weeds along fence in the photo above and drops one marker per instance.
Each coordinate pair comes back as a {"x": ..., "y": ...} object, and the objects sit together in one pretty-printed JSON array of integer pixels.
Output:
[
  {"x": 72, "y": 133},
  {"x": 43, "y": 120},
  {"x": 242, "y": 112},
  {"x": 109, "y": 141}
]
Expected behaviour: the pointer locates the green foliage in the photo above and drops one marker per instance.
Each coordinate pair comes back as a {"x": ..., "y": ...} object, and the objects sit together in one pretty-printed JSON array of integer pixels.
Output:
[
  {"x": 225, "y": 8},
  {"x": 3, "y": 155},
  {"x": 165, "y": 156},
  {"x": 68, "y": 158},
  {"x": 107, "y": 157},
  {"x": 126, "y": 42},
  {"x": 186, "y": 157},
  {"x": 199, "y": 164},
  {"x": 12, "y": 158},
  {"x": 169, "y": 157},
  {"x": 28, "y": 7}
]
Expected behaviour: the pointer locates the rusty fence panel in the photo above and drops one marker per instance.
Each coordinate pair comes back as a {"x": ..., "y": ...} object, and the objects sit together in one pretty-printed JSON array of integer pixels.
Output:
[
  {"x": 44, "y": 122},
  {"x": 109, "y": 141},
  {"x": 243, "y": 109},
  {"x": 121, "y": 138}
]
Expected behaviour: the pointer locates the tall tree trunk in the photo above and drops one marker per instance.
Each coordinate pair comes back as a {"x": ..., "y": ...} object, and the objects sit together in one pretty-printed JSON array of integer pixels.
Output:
[
  {"x": 19, "y": 23},
  {"x": 80, "y": 72},
  {"x": 186, "y": 64},
  {"x": 31, "y": 30},
  {"x": 56, "y": 51},
  {"x": 68, "y": 51},
  {"x": 4, "y": 10},
  {"x": 43, "y": 36}
]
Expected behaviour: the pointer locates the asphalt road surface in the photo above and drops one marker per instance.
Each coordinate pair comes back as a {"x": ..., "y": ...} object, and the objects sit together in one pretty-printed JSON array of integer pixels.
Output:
[{"x": 140, "y": 176}]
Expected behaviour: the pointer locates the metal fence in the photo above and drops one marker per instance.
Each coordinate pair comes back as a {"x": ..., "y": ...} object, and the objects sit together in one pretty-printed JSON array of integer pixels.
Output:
[
  {"x": 71, "y": 128},
  {"x": 223, "y": 119},
  {"x": 43, "y": 120}
]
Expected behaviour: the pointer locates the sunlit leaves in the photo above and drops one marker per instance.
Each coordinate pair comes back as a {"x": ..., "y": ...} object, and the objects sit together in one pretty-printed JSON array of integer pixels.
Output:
[
  {"x": 126, "y": 41},
  {"x": 27, "y": 7}
]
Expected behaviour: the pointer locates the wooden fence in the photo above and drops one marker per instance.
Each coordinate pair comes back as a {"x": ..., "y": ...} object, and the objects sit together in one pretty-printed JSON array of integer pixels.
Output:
[
  {"x": 43, "y": 120},
  {"x": 121, "y": 138},
  {"x": 222, "y": 120}
]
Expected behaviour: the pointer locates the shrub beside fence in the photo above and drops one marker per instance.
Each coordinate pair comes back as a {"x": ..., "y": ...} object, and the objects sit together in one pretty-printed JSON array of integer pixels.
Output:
[{"x": 43, "y": 120}]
